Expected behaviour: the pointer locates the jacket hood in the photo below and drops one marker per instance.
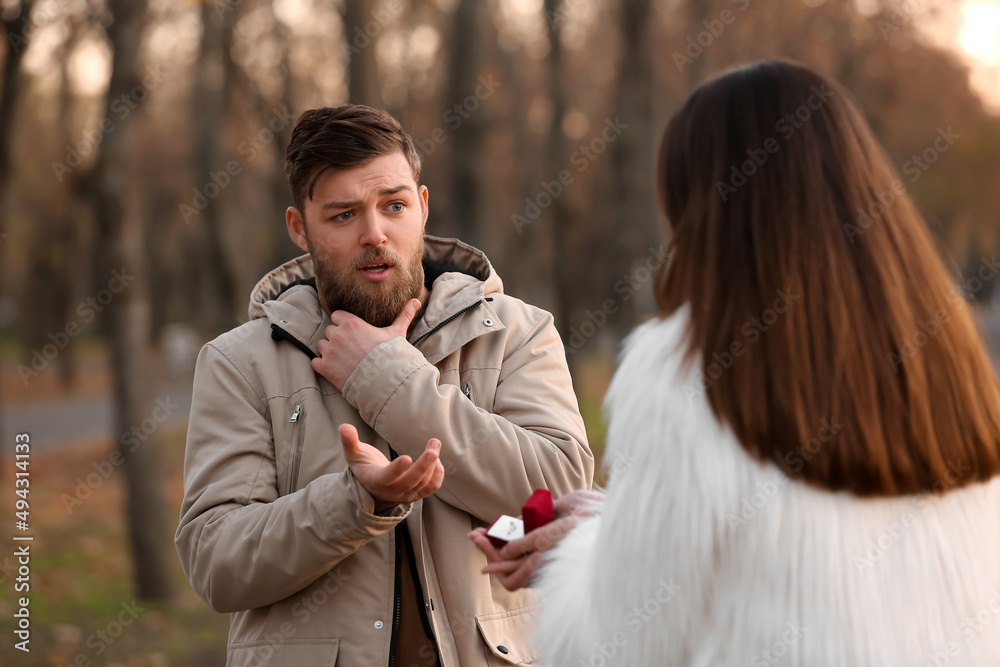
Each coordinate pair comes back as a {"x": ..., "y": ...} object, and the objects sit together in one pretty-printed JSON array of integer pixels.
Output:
[
  {"x": 446, "y": 251},
  {"x": 285, "y": 298}
]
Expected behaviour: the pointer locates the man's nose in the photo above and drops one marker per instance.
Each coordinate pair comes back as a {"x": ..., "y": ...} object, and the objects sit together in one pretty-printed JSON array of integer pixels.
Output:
[{"x": 372, "y": 233}]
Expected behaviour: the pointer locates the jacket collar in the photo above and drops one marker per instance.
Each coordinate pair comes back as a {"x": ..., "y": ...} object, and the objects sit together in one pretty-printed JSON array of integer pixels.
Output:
[{"x": 457, "y": 311}]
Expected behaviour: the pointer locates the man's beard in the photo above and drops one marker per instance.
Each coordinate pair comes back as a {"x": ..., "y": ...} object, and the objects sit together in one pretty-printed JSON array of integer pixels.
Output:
[{"x": 377, "y": 303}]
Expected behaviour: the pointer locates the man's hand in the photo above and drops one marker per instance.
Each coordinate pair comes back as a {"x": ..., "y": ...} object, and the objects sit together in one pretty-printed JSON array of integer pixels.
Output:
[
  {"x": 392, "y": 482},
  {"x": 349, "y": 340}
]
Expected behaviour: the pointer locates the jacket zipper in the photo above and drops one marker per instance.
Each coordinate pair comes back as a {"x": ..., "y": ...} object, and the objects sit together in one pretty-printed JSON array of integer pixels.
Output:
[
  {"x": 295, "y": 458},
  {"x": 422, "y": 604},
  {"x": 450, "y": 319},
  {"x": 397, "y": 583}
]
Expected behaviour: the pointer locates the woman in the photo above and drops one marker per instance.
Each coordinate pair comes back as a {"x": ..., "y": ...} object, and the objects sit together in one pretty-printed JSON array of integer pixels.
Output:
[{"x": 804, "y": 446}]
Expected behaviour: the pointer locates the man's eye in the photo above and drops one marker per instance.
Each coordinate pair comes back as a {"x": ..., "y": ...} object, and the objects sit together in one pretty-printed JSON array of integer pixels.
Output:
[
  {"x": 397, "y": 207},
  {"x": 342, "y": 217}
]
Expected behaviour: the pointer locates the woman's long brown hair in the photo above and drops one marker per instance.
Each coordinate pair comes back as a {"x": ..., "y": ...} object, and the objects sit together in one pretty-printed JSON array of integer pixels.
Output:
[{"x": 832, "y": 339}]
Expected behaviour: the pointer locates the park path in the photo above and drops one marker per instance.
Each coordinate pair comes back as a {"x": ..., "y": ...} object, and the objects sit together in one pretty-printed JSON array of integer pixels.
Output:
[{"x": 59, "y": 422}]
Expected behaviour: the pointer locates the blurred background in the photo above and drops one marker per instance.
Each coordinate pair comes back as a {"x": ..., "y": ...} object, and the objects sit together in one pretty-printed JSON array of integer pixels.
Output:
[{"x": 142, "y": 196}]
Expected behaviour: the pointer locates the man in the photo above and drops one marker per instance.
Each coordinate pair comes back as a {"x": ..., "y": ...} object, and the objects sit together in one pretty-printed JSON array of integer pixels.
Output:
[{"x": 355, "y": 553}]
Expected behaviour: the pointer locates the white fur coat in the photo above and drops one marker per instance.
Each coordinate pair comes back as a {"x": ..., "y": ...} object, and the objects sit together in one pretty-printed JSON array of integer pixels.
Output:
[{"x": 703, "y": 557}]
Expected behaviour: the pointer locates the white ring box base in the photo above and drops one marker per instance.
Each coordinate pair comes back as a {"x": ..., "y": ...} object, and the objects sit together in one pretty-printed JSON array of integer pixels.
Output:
[{"x": 505, "y": 529}]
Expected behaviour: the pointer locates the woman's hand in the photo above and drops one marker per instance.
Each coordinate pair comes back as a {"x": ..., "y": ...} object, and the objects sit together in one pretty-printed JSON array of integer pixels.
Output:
[
  {"x": 578, "y": 503},
  {"x": 517, "y": 562}
]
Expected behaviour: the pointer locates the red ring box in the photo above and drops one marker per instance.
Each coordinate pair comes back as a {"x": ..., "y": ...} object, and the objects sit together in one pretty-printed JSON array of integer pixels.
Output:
[{"x": 537, "y": 511}]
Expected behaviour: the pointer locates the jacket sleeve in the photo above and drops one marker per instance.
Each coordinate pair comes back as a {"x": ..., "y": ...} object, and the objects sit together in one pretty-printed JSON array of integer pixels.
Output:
[
  {"x": 241, "y": 545},
  {"x": 534, "y": 438}
]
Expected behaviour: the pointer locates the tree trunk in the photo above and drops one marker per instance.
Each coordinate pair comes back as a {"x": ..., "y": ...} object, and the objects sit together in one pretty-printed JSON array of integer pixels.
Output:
[
  {"x": 11, "y": 86},
  {"x": 463, "y": 209},
  {"x": 699, "y": 11},
  {"x": 211, "y": 103},
  {"x": 120, "y": 251},
  {"x": 360, "y": 38},
  {"x": 281, "y": 198},
  {"x": 559, "y": 220},
  {"x": 632, "y": 153},
  {"x": 10, "y": 89}
]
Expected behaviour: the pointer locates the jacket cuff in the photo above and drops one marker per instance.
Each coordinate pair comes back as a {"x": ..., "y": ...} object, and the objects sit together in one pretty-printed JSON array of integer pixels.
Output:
[
  {"x": 356, "y": 519},
  {"x": 379, "y": 375}
]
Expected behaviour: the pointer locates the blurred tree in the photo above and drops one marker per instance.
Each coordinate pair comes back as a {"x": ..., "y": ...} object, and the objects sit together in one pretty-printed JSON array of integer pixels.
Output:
[
  {"x": 53, "y": 242},
  {"x": 563, "y": 270},
  {"x": 12, "y": 19},
  {"x": 631, "y": 162},
  {"x": 699, "y": 12},
  {"x": 120, "y": 249},
  {"x": 217, "y": 299},
  {"x": 361, "y": 34},
  {"x": 271, "y": 101},
  {"x": 280, "y": 195},
  {"x": 464, "y": 115}
]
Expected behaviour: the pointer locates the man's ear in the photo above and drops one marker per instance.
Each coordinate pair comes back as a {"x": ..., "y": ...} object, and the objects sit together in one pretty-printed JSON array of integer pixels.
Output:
[
  {"x": 296, "y": 227},
  {"x": 423, "y": 193}
]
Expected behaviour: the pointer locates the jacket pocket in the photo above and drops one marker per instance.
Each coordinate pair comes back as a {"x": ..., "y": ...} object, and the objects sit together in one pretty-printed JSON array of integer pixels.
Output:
[
  {"x": 312, "y": 652},
  {"x": 479, "y": 385},
  {"x": 295, "y": 451},
  {"x": 508, "y": 636}
]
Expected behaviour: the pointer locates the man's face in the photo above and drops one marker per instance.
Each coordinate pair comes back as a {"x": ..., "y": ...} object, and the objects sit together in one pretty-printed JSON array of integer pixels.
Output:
[{"x": 364, "y": 228}]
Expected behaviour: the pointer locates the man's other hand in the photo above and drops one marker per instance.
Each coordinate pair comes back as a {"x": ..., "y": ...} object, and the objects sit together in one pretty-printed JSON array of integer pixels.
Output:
[
  {"x": 392, "y": 482},
  {"x": 349, "y": 340}
]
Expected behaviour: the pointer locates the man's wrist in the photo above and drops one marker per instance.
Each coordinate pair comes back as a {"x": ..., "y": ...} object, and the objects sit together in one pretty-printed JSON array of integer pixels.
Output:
[{"x": 384, "y": 509}]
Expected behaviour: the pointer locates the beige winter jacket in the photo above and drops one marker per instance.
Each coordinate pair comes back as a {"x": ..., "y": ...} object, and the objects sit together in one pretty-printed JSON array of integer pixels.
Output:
[{"x": 276, "y": 529}]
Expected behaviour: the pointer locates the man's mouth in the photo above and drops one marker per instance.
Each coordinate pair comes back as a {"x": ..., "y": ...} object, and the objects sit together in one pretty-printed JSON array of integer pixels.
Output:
[{"x": 375, "y": 269}]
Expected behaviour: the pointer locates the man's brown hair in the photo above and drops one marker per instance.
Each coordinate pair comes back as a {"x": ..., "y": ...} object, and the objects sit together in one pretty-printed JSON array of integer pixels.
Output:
[
  {"x": 776, "y": 192},
  {"x": 342, "y": 138}
]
